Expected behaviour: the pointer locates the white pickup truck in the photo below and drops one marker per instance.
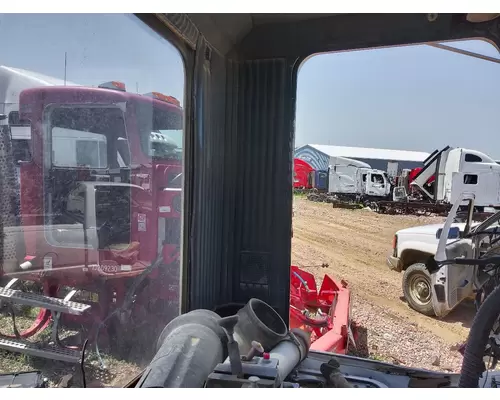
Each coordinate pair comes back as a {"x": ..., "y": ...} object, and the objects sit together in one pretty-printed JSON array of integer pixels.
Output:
[{"x": 413, "y": 252}]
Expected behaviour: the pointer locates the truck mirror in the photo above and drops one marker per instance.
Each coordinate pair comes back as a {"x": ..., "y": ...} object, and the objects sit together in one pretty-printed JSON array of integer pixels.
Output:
[{"x": 453, "y": 233}]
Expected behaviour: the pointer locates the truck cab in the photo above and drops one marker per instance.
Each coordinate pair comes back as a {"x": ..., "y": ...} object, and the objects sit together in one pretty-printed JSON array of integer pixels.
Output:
[
  {"x": 458, "y": 170},
  {"x": 357, "y": 178},
  {"x": 83, "y": 136},
  {"x": 377, "y": 183}
]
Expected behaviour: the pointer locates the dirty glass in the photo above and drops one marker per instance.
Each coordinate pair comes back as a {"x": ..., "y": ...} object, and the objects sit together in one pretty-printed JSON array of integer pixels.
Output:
[{"x": 91, "y": 173}]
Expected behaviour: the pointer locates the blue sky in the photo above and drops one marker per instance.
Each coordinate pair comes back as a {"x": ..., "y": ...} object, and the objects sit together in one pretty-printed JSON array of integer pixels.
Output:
[
  {"x": 411, "y": 98},
  {"x": 408, "y": 98},
  {"x": 100, "y": 48}
]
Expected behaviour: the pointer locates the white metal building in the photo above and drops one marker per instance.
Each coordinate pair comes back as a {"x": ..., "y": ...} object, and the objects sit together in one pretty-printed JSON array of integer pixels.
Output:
[{"x": 318, "y": 156}]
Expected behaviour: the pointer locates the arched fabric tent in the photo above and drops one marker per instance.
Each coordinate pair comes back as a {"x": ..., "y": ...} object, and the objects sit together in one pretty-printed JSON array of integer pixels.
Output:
[{"x": 318, "y": 156}]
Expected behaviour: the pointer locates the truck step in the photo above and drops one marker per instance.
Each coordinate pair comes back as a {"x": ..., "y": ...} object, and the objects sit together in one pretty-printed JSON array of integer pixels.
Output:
[
  {"x": 37, "y": 300},
  {"x": 47, "y": 351}
]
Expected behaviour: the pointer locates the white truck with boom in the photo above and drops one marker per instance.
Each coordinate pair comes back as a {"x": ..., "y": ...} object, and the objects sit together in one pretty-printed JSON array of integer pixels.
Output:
[
  {"x": 458, "y": 170},
  {"x": 444, "y": 176}
]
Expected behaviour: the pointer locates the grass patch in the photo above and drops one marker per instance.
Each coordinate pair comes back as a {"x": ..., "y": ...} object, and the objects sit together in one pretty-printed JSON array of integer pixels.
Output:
[
  {"x": 117, "y": 373},
  {"x": 378, "y": 357}
]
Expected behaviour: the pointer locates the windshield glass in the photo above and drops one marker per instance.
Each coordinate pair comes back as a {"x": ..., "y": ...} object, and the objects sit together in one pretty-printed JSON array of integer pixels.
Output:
[
  {"x": 161, "y": 131},
  {"x": 81, "y": 221},
  {"x": 384, "y": 249},
  {"x": 86, "y": 137},
  {"x": 166, "y": 144}
]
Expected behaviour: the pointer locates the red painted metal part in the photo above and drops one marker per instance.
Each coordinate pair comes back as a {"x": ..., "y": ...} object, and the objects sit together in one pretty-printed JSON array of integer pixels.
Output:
[
  {"x": 301, "y": 174},
  {"x": 324, "y": 313},
  {"x": 41, "y": 322}
]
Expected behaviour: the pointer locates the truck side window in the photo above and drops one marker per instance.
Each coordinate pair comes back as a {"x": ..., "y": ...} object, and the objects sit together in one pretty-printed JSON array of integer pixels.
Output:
[
  {"x": 472, "y": 158},
  {"x": 76, "y": 203},
  {"x": 92, "y": 152},
  {"x": 22, "y": 150},
  {"x": 14, "y": 118},
  {"x": 86, "y": 136},
  {"x": 470, "y": 179},
  {"x": 377, "y": 178}
]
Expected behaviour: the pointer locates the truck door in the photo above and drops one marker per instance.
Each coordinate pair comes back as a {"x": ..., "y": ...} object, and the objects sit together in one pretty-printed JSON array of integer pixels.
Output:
[
  {"x": 484, "y": 185},
  {"x": 83, "y": 222},
  {"x": 451, "y": 284},
  {"x": 375, "y": 184},
  {"x": 364, "y": 180},
  {"x": 387, "y": 184},
  {"x": 392, "y": 169}
]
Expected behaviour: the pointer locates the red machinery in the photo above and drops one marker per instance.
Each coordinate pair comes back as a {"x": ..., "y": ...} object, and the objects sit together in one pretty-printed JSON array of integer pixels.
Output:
[
  {"x": 302, "y": 174},
  {"x": 324, "y": 313}
]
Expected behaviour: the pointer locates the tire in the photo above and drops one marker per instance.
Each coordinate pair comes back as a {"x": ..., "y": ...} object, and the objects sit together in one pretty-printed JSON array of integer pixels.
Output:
[
  {"x": 473, "y": 363},
  {"x": 421, "y": 302}
]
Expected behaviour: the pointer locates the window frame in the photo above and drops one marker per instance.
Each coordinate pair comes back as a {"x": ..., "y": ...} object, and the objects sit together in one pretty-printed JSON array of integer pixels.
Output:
[
  {"x": 48, "y": 166},
  {"x": 476, "y": 176},
  {"x": 478, "y": 159}
]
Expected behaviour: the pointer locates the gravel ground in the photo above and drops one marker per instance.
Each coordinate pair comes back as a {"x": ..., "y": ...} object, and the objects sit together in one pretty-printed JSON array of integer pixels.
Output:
[
  {"x": 355, "y": 243},
  {"x": 387, "y": 337}
]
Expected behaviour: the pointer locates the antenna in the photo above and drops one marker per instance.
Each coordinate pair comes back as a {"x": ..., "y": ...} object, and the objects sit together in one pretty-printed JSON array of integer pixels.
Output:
[
  {"x": 137, "y": 87},
  {"x": 65, "y": 66}
]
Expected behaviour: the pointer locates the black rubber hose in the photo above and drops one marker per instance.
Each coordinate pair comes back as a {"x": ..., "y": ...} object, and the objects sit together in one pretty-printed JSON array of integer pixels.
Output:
[{"x": 473, "y": 363}]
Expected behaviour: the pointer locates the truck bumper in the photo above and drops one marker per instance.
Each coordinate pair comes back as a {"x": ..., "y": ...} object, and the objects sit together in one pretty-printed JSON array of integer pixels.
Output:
[{"x": 393, "y": 263}]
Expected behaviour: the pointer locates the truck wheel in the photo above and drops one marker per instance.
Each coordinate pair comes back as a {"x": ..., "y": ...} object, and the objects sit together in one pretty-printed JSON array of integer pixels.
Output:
[{"x": 417, "y": 288}]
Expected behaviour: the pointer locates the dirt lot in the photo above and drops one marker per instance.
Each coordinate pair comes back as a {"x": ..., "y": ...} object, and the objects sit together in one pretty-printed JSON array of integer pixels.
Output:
[{"x": 355, "y": 244}]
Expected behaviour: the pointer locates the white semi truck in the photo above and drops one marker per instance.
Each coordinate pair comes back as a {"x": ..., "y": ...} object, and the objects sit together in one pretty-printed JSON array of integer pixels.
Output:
[
  {"x": 458, "y": 170},
  {"x": 352, "y": 178}
]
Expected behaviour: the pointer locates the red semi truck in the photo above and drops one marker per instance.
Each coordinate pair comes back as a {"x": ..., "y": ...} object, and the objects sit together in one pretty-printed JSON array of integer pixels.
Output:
[
  {"x": 98, "y": 201},
  {"x": 302, "y": 174}
]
